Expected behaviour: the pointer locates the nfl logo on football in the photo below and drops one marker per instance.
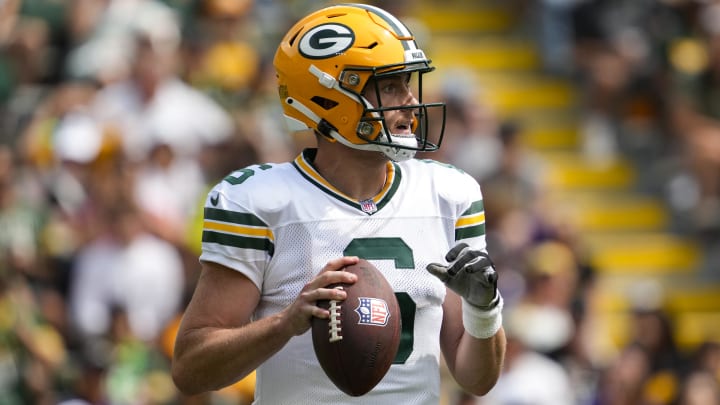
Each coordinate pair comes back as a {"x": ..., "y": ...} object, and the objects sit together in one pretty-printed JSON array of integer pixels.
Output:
[{"x": 372, "y": 311}]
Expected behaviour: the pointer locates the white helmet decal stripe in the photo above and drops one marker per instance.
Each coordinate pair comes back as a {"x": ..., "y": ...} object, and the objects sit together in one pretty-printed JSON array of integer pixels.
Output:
[
  {"x": 400, "y": 29},
  {"x": 396, "y": 24}
]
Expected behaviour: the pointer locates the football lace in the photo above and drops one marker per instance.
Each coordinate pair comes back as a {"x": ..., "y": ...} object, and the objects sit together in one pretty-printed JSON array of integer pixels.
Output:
[{"x": 335, "y": 321}]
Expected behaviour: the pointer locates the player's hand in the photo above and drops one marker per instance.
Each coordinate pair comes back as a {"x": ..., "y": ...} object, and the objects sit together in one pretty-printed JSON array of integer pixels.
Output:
[
  {"x": 471, "y": 274},
  {"x": 300, "y": 313}
]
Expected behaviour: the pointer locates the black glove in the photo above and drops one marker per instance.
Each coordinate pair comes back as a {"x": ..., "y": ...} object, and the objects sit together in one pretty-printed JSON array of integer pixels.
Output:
[{"x": 471, "y": 274}]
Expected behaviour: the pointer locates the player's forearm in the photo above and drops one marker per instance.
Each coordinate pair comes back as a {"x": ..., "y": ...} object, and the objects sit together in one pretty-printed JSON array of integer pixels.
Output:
[
  {"x": 479, "y": 362},
  {"x": 208, "y": 358}
]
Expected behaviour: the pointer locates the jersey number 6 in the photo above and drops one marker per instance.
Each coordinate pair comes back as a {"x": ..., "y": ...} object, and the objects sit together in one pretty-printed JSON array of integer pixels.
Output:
[{"x": 391, "y": 249}]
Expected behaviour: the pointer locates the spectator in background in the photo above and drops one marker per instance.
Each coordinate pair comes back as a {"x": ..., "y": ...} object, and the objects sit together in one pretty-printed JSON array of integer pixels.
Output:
[
  {"x": 33, "y": 352},
  {"x": 528, "y": 377},
  {"x": 515, "y": 179},
  {"x": 513, "y": 193},
  {"x": 707, "y": 358},
  {"x": 8, "y": 18},
  {"x": 648, "y": 369},
  {"x": 653, "y": 333},
  {"x": 167, "y": 189},
  {"x": 471, "y": 132},
  {"x": 21, "y": 222},
  {"x": 700, "y": 388},
  {"x": 622, "y": 382},
  {"x": 25, "y": 65},
  {"x": 696, "y": 118},
  {"x": 72, "y": 171},
  {"x": 87, "y": 385},
  {"x": 556, "y": 37},
  {"x": 701, "y": 385},
  {"x": 152, "y": 105},
  {"x": 163, "y": 123},
  {"x": 125, "y": 267},
  {"x": 37, "y": 145},
  {"x": 546, "y": 307},
  {"x": 224, "y": 59}
]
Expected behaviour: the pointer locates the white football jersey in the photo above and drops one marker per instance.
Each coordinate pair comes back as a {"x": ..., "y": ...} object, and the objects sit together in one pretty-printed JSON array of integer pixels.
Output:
[{"x": 279, "y": 224}]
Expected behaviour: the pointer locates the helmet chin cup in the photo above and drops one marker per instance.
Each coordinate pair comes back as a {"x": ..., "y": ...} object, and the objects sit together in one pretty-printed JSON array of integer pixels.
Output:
[
  {"x": 407, "y": 146},
  {"x": 395, "y": 147}
]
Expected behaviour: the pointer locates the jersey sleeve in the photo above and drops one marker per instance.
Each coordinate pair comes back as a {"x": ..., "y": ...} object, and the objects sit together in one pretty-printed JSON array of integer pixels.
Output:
[
  {"x": 470, "y": 225},
  {"x": 463, "y": 194},
  {"x": 233, "y": 235}
]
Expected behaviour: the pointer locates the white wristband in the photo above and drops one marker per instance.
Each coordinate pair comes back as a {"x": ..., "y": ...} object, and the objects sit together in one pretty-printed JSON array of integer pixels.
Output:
[{"x": 479, "y": 323}]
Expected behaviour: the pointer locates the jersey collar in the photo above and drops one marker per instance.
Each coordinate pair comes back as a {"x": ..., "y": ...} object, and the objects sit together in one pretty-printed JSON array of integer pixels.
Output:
[{"x": 303, "y": 164}]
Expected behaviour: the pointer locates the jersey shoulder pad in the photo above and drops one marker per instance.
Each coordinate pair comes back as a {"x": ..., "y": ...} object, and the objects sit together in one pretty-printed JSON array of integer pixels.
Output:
[
  {"x": 445, "y": 177},
  {"x": 260, "y": 185}
]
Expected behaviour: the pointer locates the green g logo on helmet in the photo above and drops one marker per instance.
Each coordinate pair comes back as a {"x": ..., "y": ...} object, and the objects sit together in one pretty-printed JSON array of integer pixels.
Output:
[{"x": 326, "y": 40}]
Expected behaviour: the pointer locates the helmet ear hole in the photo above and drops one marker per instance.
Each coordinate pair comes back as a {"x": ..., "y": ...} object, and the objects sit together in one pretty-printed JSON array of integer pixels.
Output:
[{"x": 325, "y": 103}]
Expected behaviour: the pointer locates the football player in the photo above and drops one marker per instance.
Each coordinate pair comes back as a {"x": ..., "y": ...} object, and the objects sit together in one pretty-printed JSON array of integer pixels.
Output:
[{"x": 276, "y": 235}]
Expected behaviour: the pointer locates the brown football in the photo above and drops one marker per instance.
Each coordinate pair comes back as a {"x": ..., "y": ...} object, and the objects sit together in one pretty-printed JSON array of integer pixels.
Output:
[{"x": 358, "y": 344}]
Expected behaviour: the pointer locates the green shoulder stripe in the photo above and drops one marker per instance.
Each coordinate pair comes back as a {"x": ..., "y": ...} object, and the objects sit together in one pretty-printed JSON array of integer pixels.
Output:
[
  {"x": 216, "y": 214},
  {"x": 236, "y": 241},
  {"x": 470, "y": 232},
  {"x": 237, "y": 229},
  {"x": 475, "y": 208},
  {"x": 471, "y": 223}
]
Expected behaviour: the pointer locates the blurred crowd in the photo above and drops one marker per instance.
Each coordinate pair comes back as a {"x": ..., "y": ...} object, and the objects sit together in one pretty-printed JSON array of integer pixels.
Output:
[
  {"x": 649, "y": 72},
  {"x": 116, "y": 116}
]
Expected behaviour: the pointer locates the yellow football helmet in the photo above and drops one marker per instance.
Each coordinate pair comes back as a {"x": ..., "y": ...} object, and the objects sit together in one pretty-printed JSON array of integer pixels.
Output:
[{"x": 323, "y": 65}]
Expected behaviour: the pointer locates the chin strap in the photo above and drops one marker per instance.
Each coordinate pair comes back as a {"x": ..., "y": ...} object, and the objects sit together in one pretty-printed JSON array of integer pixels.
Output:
[
  {"x": 400, "y": 154},
  {"x": 393, "y": 153}
]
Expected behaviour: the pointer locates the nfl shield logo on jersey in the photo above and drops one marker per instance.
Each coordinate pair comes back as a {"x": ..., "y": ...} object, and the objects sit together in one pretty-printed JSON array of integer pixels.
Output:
[
  {"x": 373, "y": 311},
  {"x": 368, "y": 206}
]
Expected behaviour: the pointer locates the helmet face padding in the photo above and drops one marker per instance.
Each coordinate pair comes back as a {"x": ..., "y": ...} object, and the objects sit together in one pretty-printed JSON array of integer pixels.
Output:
[{"x": 324, "y": 64}]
